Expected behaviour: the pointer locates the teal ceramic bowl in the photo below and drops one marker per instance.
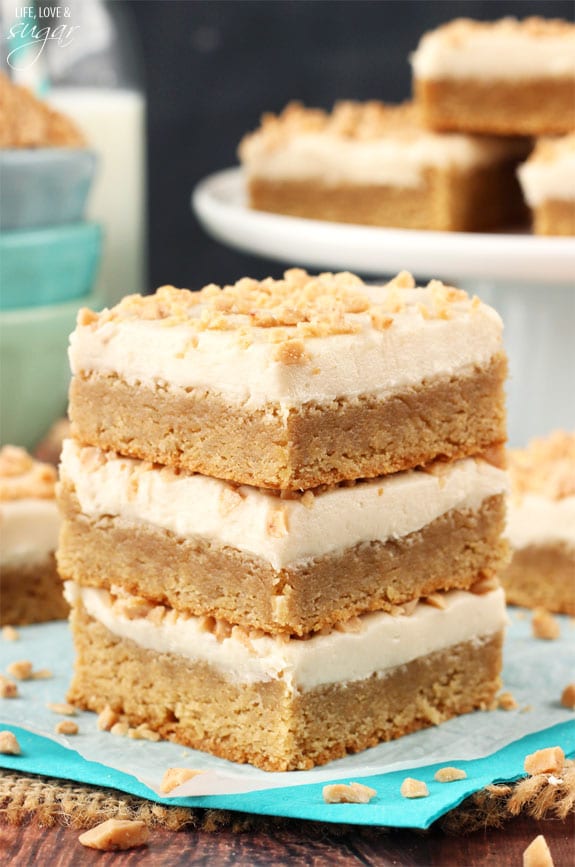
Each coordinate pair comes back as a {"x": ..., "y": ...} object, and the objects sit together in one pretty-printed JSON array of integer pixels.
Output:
[
  {"x": 34, "y": 371},
  {"x": 48, "y": 266},
  {"x": 44, "y": 186}
]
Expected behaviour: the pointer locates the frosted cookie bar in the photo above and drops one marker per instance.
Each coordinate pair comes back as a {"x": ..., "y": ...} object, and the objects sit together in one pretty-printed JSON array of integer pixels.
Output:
[
  {"x": 285, "y": 704},
  {"x": 548, "y": 183},
  {"x": 378, "y": 165},
  {"x": 505, "y": 77},
  {"x": 541, "y": 525},
  {"x": 294, "y": 383},
  {"x": 296, "y": 565},
  {"x": 30, "y": 588}
]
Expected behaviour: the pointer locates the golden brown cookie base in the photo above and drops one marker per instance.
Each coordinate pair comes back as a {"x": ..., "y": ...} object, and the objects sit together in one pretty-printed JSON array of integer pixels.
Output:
[
  {"x": 261, "y": 723},
  {"x": 31, "y": 594},
  {"x": 485, "y": 198},
  {"x": 452, "y": 552},
  {"x": 542, "y": 576},
  {"x": 364, "y": 437},
  {"x": 525, "y": 107},
  {"x": 554, "y": 217}
]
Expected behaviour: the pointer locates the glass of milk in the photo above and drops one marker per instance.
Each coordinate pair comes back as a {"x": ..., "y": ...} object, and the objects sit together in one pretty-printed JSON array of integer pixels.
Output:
[{"x": 95, "y": 79}]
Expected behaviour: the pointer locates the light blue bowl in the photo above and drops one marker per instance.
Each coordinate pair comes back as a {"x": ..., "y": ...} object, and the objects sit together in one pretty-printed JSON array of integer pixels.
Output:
[
  {"x": 44, "y": 186},
  {"x": 48, "y": 266},
  {"x": 34, "y": 370}
]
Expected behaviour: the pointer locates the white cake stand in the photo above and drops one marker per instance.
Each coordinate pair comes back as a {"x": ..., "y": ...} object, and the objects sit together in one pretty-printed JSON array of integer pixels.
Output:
[{"x": 530, "y": 280}]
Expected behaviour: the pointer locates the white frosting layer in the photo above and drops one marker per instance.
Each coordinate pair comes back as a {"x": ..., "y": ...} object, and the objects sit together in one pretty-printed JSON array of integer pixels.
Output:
[
  {"x": 383, "y": 643},
  {"x": 372, "y": 361},
  {"x": 538, "y": 520},
  {"x": 494, "y": 54},
  {"x": 547, "y": 180},
  {"x": 198, "y": 507},
  {"x": 28, "y": 530},
  {"x": 390, "y": 161}
]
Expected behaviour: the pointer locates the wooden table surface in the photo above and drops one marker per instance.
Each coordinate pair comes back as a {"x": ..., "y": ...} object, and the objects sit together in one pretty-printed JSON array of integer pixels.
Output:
[{"x": 294, "y": 845}]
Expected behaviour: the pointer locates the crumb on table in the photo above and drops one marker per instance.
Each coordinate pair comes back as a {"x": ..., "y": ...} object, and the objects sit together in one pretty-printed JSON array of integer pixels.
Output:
[
  {"x": 412, "y": 788},
  {"x": 537, "y": 853},
  {"x": 116, "y": 834},
  {"x": 9, "y": 745},
  {"x": 352, "y": 793},
  {"x": 550, "y": 760},
  {"x": 544, "y": 625}
]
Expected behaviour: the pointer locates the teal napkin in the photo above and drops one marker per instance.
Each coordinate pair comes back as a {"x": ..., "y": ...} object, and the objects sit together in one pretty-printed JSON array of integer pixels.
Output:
[{"x": 490, "y": 747}]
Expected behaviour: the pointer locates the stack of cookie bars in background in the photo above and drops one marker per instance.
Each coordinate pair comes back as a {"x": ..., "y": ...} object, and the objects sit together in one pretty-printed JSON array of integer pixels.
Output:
[
  {"x": 283, "y": 512},
  {"x": 447, "y": 161}
]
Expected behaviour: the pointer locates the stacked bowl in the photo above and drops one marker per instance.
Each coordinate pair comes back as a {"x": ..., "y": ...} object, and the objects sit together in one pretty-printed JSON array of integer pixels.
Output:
[{"x": 49, "y": 259}]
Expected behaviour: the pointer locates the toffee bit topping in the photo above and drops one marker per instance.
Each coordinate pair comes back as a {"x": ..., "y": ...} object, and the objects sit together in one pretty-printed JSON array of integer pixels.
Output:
[
  {"x": 8, "y": 689},
  {"x": 62, "y": 708},
  {"x": 544, "y": 625},
  {"x": 352, "y": 624},
  {"x": 66, "y": 727},
  {"x": 436, "y": 600},
  {"x": 485, "y": 584},
  {"x": 175, "y": 777},
  {"x": 457, "y": 31},
  {"x": 21, "y": 670},
  {"x": 276, "y": 524},
  {"x": 308, "y": 499},
  {"x": 116, "y": 834},
  {"x": 29, "y": 122},
  {"x": 547, "y": 150},
  {"x": 349, "y": 120},
  {"x": 506, "y": 701},
  {"x": 21, "y": 476},
  {"x": 354, "y": 793},
  {"x": 286, "y": 312},
  {"x": 449, "y": 775},
  {"x": 412, "y": 788},
  {"x": 9, "y": 745},
  {"x": 107, "y": 718},
  {"x": 291, "y": 352},
  {"x": 546, "y": 467},
  {"x": 568, "y": 696},
  {"x": 537, "y": 853},
  {"x": 550, "y": 760}
]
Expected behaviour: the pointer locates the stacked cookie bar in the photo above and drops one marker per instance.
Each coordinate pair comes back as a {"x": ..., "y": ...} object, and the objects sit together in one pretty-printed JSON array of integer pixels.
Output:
[
  {"x": 30, "y": 589},
  {"x": 541, "y": 524},
  {"x": 508, "y": 78},
  {"x": 283, "y": 512}
]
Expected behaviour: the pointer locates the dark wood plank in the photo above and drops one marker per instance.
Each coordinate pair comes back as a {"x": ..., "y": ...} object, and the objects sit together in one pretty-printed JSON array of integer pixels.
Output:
[{"x": 27, "y": 846}]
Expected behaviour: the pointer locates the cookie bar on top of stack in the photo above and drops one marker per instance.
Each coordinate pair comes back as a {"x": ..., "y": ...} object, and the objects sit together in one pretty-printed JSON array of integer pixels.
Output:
[
  {"x": 283, "y": 504},
  {"x": 541, "y": 525},
  {"x": 30, "y": 589},
  {"x": 505, "y": 77},
  {"x": 378, "y": 165}
]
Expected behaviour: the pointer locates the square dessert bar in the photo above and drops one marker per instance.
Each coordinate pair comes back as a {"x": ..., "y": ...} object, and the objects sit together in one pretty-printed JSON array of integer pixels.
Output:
[
  {"x": 294, "y": 566},
  {"x": 30, "y": 588},
  {"x": 285, "y": 703},
  {"x": 505, "y": 77},
  {"x": 378, "y": 165},
  {"x": 294, "y": 383},
  {"x": 548, "y": 183},
  {"x": 541, "y": 525}
]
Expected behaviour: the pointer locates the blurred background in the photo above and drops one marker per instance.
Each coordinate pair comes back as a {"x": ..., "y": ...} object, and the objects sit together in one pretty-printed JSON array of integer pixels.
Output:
[
  {"x": 164, "y": 90},
  {"x": 211, "y": 68}
]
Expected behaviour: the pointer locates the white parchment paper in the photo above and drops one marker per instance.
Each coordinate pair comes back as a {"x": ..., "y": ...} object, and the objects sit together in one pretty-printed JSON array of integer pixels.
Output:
[{"x": 535, "y": 671}]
